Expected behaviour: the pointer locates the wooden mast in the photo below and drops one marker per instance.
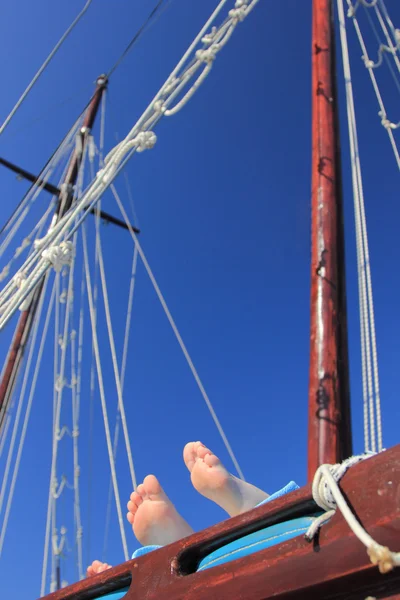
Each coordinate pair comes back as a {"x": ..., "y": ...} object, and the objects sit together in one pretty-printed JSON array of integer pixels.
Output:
[
  {"x": 329, "y": 428},
  {"x": 24, "y": 325}
]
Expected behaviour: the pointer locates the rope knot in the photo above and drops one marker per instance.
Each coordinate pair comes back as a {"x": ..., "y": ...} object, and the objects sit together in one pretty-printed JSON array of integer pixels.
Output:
[
  {"x": 159, "y": 106},
  {"x": 368, "y": 63},
  {"x": 239, "y": 13},
  {"x": 59, "y": 256},
  {"x": 145, "y": 140},
  {"x": 19, "y": 281},
  {"x": 207, "y": 55},
  {"x": 170, "y": 85},
  {"x": 321, "y": 489},
  {"x": 60, "y": 383},
  {"x": 209, "y": 37},
  {"x": 382, "y": 557}
]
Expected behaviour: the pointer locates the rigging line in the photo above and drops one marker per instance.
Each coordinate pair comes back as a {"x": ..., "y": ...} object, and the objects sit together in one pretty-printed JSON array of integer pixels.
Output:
[
  {"x": 154, "y": 14},
  {"x": 60, "y": 387},
  {"x": 365, "y": 284},
  {"x": 369, "y": 436},
  {"x": 130, "y": 198},
  {"x": 19, "y": 407},
  {"x": 115, "y": 365},
  {"x": 76, "y": 396},
  {"x": 43, "y": 116},
  {"x": 388, "y": 19},
  {"x": 102, "y": 125},
  {"x": 369, "y": 66},
  {"x": 4, "y": 433},
  {"x": 390, "y": 46},
  {"x": 179, "y": 338},
  {"x": 56, "y": 347},
  {"x": 25, "y": 206},
  {"x": 75, "y": 437},
  {"x": 102, "y": 395},
  {"x": 33, "y": 192},
  {"x": 44, "y": 65},
  {"x": 138, "y": 139},
  {"x": 123, "y": 370},
  {"x": 92, "y": 390},
  {"x": 28, "y": 408}
]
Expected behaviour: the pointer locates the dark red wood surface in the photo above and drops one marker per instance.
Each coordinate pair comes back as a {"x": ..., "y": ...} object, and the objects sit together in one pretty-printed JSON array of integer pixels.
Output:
[
  {"x": 329, "y": 434},
  {"x": 334, "y": 566}
]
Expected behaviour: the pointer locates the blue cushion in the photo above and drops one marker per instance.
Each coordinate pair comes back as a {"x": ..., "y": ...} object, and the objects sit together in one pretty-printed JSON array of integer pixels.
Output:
[
  {"x": 114, "y": 595},
  {"x": 270, "y": 536},
  {"x": 265, "y": 538}
]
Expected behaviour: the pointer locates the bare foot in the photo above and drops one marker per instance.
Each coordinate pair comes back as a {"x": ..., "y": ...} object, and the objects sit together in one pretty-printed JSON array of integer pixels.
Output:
[
  {"x": 212, "y": 480},
  {"x": 97, "y": 567},
  {"x": 153, "y": 516}
]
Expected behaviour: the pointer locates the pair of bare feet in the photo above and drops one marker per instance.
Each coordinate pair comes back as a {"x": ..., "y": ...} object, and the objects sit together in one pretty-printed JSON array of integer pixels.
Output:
[{"x": 154, "y": 518}]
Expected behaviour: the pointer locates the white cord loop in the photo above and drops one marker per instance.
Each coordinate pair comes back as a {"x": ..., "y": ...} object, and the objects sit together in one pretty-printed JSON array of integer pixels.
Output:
[
  {"x": 327, "y": 495},
  {"x": 60, "y": 256},
  {"x": 321, "y": 490},
  {"x": 20, "y": 282}
]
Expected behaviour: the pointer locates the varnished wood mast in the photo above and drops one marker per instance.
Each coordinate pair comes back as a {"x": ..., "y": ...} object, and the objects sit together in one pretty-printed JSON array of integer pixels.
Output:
[{"x": 329, "y": 427}]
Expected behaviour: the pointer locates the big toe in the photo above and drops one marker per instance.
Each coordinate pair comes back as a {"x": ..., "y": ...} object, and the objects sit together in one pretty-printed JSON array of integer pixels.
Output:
[
  {"x": 153, "y": 490},
  {"x": 191, "y": 454}
]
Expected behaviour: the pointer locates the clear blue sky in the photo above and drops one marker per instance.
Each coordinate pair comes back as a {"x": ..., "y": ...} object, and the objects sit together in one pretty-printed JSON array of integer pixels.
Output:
[{"x": 224, "y": 206}]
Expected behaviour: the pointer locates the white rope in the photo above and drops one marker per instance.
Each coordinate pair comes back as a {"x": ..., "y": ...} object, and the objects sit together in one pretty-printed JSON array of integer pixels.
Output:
[
  {"x": 51, "y": 509},
  {"x": 44, "y": 65},
  {"x": 139, "y": 138},
  {"x": 59, "y": 256},
  {"x": 370, "y": 65},
  {"x": 28, "y": 409},
  {"x": 121, "y": 406},
  {"x": 327, "y": 495},
  {"x": 33, "y": 252},
  {"x": 76, "y": 388},
  {"x": 20, "y": 404},
  {"x": 370, "y": 373},
  {"x": 4, "y": 433},
  {"x": 23, "y": 209},
  {"x": 102, "y": 396},
  {"x": 92, "y": 382},
  {"x": 123, "y": 370},
  {"x": 179, "y": 338},
  {"x": 395, "y": 32},
  {"x": 392, "y": 48},
  {"x": 63, "y": 256},
  {"x": 102, "y": 125}
]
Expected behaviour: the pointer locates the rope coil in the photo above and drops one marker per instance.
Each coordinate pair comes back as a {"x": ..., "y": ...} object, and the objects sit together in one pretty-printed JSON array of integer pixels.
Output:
[{"x": 327, "y": 495}]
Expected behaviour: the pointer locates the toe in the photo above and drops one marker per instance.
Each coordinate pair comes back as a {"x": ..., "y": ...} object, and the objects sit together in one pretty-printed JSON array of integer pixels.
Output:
[
  {"x": 202, "y": 451},
  {"x": 211, "y": 460},
  {"x": 152, "y": 486},
  {"x": 141, "y": 490},
  {"x": 190, "y": 454}
]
